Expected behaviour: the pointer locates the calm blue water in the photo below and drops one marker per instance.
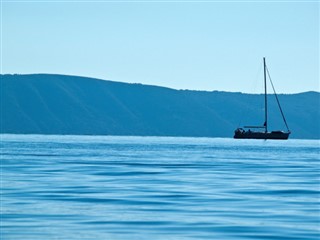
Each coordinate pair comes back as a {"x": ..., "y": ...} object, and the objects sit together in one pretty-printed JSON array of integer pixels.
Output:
[{"x": 90, "y": 187}]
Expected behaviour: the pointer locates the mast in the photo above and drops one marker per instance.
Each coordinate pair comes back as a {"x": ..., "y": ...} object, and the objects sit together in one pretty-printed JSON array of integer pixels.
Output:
[{"x": 265, "y": 97}]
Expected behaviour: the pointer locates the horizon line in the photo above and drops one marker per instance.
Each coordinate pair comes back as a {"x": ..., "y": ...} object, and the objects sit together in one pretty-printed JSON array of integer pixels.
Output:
[{"x": 152, "y": 85}]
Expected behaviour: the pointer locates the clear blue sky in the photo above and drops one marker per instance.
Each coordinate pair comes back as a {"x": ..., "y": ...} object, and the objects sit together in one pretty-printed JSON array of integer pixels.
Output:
[{"x": 183, "y": 45}]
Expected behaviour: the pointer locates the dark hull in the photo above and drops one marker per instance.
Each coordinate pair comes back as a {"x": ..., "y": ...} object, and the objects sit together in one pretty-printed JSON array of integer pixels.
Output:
[{"x": 261, "y": 135}]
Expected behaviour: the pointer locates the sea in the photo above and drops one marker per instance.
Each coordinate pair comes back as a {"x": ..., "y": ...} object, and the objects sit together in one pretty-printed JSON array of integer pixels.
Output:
[{"x": 121, "y": 187}]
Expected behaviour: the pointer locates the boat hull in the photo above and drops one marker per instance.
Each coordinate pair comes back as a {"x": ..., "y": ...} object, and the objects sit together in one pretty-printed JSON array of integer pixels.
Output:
[{"x": 277, "y": 135}]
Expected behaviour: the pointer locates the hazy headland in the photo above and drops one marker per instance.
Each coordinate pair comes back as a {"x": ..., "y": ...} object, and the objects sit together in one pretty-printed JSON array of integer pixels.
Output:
[{"x": 59, "y": 104}]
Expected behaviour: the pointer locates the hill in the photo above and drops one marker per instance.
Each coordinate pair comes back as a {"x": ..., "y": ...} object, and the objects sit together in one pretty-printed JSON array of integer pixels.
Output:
[{"x": 58, "y": 104}]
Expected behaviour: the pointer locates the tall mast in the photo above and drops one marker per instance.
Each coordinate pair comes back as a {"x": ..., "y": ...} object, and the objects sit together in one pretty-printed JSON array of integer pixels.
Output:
[{"x": 265, "y": 96}]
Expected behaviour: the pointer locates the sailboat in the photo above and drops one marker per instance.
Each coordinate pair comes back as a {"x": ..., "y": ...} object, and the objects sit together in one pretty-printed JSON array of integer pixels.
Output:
[{"x": 262, "y": 132}]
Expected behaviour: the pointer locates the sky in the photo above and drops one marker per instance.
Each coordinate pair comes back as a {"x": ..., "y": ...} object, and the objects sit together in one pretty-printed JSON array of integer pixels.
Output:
[{"x": 197, "y": 45}]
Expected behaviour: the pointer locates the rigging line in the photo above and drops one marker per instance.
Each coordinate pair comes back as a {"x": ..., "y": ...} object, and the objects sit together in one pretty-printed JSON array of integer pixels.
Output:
[{"x": 284, "y": 119}]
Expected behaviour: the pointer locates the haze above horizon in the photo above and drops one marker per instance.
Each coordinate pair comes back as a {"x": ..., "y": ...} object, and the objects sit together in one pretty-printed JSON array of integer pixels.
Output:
[{"x": 206, "y": 45}]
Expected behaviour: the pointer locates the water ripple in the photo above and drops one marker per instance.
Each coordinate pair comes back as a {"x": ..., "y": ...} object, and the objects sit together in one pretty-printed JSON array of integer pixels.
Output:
[{"x": 95, "y": 187}]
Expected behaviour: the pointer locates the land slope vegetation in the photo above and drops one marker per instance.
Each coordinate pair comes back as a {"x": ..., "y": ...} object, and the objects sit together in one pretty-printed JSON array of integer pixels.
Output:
[{"x": 59, "y": 104}]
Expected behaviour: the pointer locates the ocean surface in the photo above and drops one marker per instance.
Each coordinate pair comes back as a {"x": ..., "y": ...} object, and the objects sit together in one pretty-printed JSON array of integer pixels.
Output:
[{"x": 104, "y": 187}]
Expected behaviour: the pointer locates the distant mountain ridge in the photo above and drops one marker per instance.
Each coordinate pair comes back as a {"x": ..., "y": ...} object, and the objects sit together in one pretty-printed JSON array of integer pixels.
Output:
[{"x": 59, "y": 104}]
